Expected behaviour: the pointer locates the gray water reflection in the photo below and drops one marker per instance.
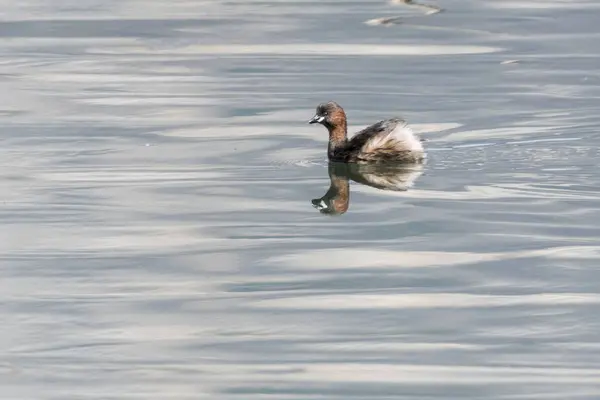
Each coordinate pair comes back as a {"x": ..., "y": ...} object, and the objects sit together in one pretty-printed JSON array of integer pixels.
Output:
[{"x": 157, "y": 239}]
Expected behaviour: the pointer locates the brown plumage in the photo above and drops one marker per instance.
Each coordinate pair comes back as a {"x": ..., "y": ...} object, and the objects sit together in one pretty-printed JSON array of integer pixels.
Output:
[{"x": 387, "y": 141}]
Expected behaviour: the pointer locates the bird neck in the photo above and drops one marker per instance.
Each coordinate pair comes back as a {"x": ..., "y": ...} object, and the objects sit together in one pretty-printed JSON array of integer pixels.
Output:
[{"x": 338, "y": 138}]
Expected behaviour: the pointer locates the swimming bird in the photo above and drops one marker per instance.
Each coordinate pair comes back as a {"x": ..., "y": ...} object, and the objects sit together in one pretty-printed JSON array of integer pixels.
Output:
[{"x": 387, "y": 141}]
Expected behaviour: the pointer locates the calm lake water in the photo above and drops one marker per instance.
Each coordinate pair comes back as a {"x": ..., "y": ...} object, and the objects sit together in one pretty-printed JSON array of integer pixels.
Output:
[{"x": 159, "y": 237}]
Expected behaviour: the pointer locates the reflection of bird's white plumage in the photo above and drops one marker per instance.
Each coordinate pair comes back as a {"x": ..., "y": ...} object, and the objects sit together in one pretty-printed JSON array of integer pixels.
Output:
[
  {"x": 337, "y": 199},
  {"x": 396, "y": 179}
]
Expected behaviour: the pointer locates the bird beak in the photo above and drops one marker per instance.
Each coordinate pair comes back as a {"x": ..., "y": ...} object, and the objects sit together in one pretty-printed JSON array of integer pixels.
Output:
[{"x": 316, "y": 119}]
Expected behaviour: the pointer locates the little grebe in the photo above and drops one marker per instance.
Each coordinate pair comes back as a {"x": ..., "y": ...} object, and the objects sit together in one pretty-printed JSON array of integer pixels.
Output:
[{"x": 390, "y": 141}]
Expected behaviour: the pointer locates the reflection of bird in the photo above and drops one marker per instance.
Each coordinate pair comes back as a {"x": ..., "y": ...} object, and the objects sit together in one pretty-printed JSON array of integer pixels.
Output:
[
  {"x": 387, "y": 141},
  {"x": 337, "y": 199}
]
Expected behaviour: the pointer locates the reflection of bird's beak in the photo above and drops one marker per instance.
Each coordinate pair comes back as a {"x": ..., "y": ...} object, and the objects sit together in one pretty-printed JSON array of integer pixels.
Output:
[
  {"x": 319, "y": 204},
  {"x": 316, "y": 119}
]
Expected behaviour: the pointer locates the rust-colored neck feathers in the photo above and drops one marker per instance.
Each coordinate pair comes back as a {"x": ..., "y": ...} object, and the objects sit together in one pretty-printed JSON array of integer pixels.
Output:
[{"x": 338, "y": 130}]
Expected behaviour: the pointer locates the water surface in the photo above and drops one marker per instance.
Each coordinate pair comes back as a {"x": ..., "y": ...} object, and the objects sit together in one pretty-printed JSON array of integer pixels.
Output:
[{"x": 159, "y": 240}]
